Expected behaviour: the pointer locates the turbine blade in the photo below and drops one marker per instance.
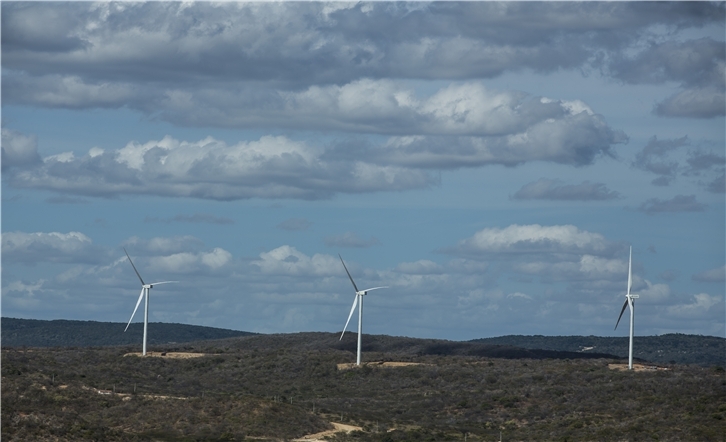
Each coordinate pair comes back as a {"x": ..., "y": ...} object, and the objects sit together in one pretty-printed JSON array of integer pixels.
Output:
[
  {"x": 375, "y": 288},
  {"x": 352, "y": 309},
  {"x": 132, "y": 265},
  {"x": 163, "y": 282},
  {"x": 630, "y": 267},
  {"x": 141, "y": 296},
  {"x": 621, "y": 313},
  {"x": 346, "y": 271}
]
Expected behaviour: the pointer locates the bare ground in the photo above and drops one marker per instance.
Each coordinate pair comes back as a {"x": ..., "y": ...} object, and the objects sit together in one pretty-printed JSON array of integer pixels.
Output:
[
  {"x": 319, "y": 437},
  {"x": 169, "y": 355},
  {"x": 378, "y": 364},
  {"x": 636, "y": 367}
]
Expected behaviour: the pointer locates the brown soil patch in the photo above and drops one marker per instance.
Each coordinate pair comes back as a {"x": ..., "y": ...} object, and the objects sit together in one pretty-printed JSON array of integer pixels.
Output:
[
  {"x": 319, "y": 437},
  {"x": 636, "y": 367},
  {"x": 169, "y": 355},
  {"x": 378, "y": 364}
]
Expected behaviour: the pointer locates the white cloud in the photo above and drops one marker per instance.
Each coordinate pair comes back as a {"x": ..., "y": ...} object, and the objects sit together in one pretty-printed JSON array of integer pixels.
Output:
[
  {"x": 18, "y": 294},
  {"x": 18, "y": 149},
  {"x": 81, "y": 55},
  {"x": 534, "y": 239},
  {"x": 49, "y": 247},
  {"x": 699, "y": 307},
  {"x": 272, "y": 167},
  {"x": 162, "y": 245},
  {"x": 287, "y": 260},
  {"x": 654, "y": 293}
]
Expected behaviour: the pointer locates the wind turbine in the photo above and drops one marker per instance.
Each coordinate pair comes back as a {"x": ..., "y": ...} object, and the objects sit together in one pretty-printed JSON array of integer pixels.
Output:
[
  {"x": 629, "y": 302},
  {"x": 358, "y": 294},
  {"x": 144, "y": 291}
]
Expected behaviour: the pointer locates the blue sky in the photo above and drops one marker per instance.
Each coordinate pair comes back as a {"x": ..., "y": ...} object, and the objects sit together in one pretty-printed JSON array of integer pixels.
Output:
[{"x": 490, "y": 162}]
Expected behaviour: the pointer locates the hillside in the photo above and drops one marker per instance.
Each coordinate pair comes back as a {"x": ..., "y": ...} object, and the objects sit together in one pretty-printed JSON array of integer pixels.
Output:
[
  {"x": 664, "y": 349},
  {"x": 280, "y": 387},
  {"x": 64, "y": 333}
]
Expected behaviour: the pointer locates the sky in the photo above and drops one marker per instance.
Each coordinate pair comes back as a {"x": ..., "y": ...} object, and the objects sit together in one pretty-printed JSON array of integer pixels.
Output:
[{"x": 491, "y": 163}]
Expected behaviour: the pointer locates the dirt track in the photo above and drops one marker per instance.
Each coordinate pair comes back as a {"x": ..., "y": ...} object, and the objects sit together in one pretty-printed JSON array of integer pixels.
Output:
[{"x": 318, "y": 437}]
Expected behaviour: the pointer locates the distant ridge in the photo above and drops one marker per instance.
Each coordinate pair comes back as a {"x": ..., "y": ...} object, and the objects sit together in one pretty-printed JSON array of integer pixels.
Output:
[
  {"x": 664, "y": 349},
  {"x": 67, "y": 333}
]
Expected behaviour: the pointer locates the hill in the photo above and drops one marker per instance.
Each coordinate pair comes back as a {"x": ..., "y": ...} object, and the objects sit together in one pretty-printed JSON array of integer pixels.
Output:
[
  {"x": 671, "y": 348},
  {"x": 281, "y": 387},
  {"x": 65, "y": 333},
  {"x": 664, "y": 349}
]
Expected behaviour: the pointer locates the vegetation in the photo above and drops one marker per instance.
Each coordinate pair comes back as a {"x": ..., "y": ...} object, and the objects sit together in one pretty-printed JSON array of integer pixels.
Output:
[
  {"x": 674, "y": 348},
  {"x": 64, "y": 333},
  {"x": 664, "y": 349},
  {"x": 283, "y": 386}
]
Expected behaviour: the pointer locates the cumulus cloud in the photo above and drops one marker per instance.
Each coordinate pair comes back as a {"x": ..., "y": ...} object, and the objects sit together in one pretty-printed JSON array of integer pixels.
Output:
[
  {"x": 548, "y": 189},
  {"x": 313, "y": 292},
  {"x": 575, "y": 139},
  {"x": 80, "y": 55},
  {"x": 701, "y": 305},
  {"x": 679, "y": 203},
  {"x": 18, "y": 149},
  {"x": 698, "y": 65},
  {"x": 706, "y": 102},
  {"x": 713, "y": 275},
  {"x": 378, "y": 106},
  {"x": 349, "y": 240},
  {"x": 534, "y": 239},
  {"x": 287, "y": 260},
  {"x": 272, "y": 167},
  {"x": 279, "y": 167},
  {"x": 162, "y": 245},
  {"x": 187, "y": 262},
  {"x": 31, "y": 248}
]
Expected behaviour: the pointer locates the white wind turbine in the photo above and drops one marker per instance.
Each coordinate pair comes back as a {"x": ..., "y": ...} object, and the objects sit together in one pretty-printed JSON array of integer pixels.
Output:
[
  {"x": 629, "y": 302},
  {"x": 144, "y": 291},
  {"x": 358, "y": 294}
]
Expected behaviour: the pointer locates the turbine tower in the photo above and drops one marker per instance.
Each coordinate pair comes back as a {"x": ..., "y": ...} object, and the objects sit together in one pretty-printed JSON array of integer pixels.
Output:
[
  {"x": 629, "y": 302},
  {"x": 358, "y": 294},
  {"x": 144, "y": 291}
]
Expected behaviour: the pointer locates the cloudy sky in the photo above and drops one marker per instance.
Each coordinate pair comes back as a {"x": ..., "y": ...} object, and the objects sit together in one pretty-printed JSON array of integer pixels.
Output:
[{"x": 491, "y": 163}]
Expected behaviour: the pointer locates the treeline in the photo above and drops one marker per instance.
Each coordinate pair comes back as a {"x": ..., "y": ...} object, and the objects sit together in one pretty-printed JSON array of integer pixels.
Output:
[
  {"x": 672, "y": 348},
  {"x": 65, "y": 333}
]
